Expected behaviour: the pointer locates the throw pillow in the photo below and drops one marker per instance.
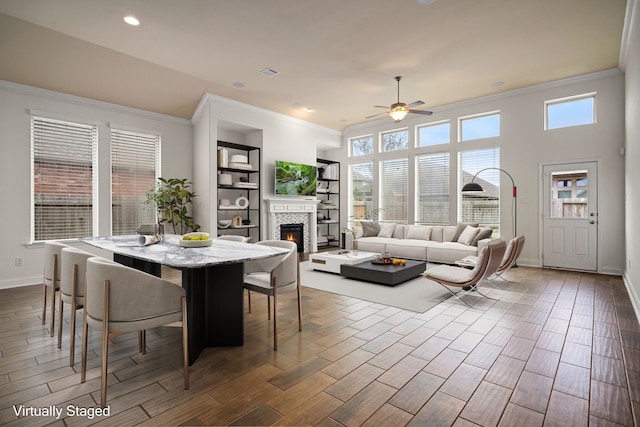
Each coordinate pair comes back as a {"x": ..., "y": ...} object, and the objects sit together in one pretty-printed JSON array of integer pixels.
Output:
[
  {"x": 484, "y": 233},
  {"x": 460, "y": 229},
  {"x": 418, "y": 232},
  {"x": 467, "y": 236},
  {"x": 370, "y": 228},
  {"x": 386, "y": 230}
]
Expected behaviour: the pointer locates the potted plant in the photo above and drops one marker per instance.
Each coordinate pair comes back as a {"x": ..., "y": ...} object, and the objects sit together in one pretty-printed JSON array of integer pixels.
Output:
[{"x": 173, "y": 201}]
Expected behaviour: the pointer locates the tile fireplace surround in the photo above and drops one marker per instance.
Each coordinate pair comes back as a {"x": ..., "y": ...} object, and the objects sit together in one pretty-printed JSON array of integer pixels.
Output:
[{"x": 289, "y": 211}]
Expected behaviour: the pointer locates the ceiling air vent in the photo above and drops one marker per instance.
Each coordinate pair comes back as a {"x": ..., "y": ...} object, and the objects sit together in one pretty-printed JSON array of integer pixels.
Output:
[{"x": 269, "y": 72}]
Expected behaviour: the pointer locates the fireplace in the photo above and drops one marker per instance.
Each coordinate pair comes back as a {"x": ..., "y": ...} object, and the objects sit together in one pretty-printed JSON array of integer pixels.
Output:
[{"x": 293, "y": 233}]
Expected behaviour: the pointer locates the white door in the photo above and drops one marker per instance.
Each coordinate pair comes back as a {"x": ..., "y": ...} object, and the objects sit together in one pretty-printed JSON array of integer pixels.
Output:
[{"x": 570, "y": 216}]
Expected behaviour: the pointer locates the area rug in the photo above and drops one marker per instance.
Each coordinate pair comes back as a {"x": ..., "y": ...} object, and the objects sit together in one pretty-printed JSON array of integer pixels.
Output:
[{"x": 417, "y": 295}]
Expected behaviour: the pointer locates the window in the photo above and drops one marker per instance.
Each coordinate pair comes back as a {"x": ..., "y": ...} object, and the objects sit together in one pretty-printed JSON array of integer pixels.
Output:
[
  {"x": 395, "y": 140},
  {"x": 433, "y": 134},
  {"x": 564, "y": 183},
  {"x": 394, "y": 189},
  {"x": 482, "y": 208},
  {"x": 361, "y": 146},
  {"x": 135, "y": 165},
  {"x": 566, "y": 194},
  {"x": 432, "y": 206},
  {"x": 574, "y": 111},
  {"x": 480, "y": 126},
  {"x": 360, "y": 190},
  {"x": 63, "y": 156}
]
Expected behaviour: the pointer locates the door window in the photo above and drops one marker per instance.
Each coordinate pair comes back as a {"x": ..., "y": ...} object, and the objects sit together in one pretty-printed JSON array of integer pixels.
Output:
[{"x": 569, "y": 192}]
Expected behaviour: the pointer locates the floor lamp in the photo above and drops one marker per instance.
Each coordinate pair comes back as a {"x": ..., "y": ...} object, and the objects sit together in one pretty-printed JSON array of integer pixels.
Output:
[{"x": 474, "y": 187}]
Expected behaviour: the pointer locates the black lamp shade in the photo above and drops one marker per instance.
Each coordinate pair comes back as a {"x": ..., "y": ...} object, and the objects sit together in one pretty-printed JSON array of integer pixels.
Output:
[{"x": 472, "y": 187}]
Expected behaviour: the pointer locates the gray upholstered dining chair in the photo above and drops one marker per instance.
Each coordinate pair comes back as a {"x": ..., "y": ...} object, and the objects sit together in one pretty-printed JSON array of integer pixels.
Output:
[
  {"x": 265, "y": 276},
  {"x": 461, "y": 277},
  {"x": 73, "y": 268},
  {"x": 51, "y": 277},
  {"x": 120, "y": 299}
]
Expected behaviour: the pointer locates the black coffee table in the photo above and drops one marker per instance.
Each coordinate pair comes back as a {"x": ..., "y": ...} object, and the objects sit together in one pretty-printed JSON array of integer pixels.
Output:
[{"x": 387, "y": 274}]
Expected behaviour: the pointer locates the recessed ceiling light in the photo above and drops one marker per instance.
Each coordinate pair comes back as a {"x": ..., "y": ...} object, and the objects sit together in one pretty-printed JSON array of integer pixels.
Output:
[
  {"x": 497, "y": 83},
  {"x": 131, "y": 20},
  {"x": 296, "y": 105},
  {"x": 239, "y": 85},
  {"x": 426, "y": 2},
  {"x": 308, "y": 109}
]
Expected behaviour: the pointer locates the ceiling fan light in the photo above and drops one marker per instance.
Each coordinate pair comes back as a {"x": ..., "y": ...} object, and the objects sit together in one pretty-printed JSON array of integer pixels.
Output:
[{"x": 398, "y": 112}]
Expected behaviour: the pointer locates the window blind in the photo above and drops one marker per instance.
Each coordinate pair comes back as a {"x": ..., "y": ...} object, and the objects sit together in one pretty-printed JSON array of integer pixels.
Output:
[
  {"x": 361, "y": 189},
  {"x": 63, "y": 178},
  {"x": 483, "y": 208},
  {"x": 433, "y": 189},
  {"x": 135, "y": 165},
  {"x": 394, "y": 188}
]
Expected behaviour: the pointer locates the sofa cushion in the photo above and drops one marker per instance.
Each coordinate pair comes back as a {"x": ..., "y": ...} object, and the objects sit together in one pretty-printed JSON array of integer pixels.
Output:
[
  {"x": 467, "y": 236},
  {"x": 387, "y": 229},
  {"x": 418, "y": 232},
  {"x": 460, "y": 228},
  {"x": 483, "y": 233},
  {"x": 370, "y": 228},
  {"x": 450, "y": 252}
]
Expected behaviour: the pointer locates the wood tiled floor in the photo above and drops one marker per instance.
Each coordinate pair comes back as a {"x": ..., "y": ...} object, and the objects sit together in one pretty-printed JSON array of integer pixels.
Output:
[{"x": 556, "y": 348}]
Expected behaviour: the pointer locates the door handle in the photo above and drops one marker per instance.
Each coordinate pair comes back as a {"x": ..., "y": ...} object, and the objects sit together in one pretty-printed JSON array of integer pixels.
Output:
[{"x": 592, "y": 222}]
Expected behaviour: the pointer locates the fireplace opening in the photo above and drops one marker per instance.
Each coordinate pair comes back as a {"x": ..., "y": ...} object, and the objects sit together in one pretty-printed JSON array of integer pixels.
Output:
[{"x": 293, "y": 233}]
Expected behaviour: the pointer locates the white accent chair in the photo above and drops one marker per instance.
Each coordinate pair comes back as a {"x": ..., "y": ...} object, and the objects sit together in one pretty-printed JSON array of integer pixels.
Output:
[
  {"x": 461, "y": 277},
  {"x": 72, "y": 281},
  {"x": 51, "y": 277},
  {"x": 265, "y": 276},
  {"x": 120, "y": 299}
]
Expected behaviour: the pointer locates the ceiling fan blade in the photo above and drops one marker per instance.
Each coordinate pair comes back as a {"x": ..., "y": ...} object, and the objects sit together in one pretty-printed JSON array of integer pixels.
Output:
[
  {"x": 375, "y": 115},
  {"x": 423, "y": 112},
  {"x": 380, "y": 106},
  {"x": 415, "y": 104}
]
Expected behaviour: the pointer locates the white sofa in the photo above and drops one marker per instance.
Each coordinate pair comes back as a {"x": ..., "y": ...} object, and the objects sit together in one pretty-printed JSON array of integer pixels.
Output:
[{"x": 439, "y": 244}]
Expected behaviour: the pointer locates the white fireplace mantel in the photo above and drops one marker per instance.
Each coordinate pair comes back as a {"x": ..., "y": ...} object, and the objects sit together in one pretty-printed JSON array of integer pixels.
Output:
[{"x": 279, "y": 209}]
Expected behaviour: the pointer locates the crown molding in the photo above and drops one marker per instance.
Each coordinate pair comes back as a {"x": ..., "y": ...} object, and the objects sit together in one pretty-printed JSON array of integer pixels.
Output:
[
  {"x": 627, "y": 30},
  {"x": 87, "y": 102}
]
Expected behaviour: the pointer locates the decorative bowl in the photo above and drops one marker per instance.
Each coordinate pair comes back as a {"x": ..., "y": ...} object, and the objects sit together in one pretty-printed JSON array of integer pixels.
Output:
[
  {"x": 197, "y": 241},
  {"x": 224, "y": 223}
]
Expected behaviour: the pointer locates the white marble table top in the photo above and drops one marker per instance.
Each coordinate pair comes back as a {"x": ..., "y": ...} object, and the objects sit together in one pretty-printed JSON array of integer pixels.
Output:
[{"x": 170, "y": 253}]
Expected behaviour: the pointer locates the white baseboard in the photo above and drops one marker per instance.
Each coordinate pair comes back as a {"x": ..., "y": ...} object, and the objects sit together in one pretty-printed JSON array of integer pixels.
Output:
[
  {"x": 23, "y": 281},
  {"x": 633, "y": 295}
]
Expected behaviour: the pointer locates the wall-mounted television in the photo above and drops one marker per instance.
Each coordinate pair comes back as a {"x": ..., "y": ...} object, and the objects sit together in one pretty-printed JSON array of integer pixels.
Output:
[{"x": 295, "y": 179}]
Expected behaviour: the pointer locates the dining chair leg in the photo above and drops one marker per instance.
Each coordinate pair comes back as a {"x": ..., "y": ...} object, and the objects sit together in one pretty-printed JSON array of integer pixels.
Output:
[
  {"x": 72, "y": 321},
  {"x": 60, "y": 304},
  {"x": 85, "y": 329},
  {"x": 274, "y": 283},
  {"x": 105, "y": 346},
  {"x": 299, "y": 300},
  {"x": 44, "y": 301},
  {"x": 185, "y": 344},
  {"x": 249, "y": 299},
  {"x": 142, "y": 342},
  {"x": 54, "y": 274}
]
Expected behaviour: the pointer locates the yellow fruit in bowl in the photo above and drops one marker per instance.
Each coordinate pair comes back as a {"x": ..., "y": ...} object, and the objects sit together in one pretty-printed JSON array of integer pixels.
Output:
[{"x": 187, "y": 237}]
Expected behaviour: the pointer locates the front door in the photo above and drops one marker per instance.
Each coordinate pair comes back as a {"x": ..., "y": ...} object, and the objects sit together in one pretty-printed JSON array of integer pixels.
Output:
[{"x": 570, "y": 216}]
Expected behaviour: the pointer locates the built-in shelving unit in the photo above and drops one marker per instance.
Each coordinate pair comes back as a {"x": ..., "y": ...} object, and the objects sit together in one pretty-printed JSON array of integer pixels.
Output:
[
  {"x": 239, "y": 190},
  {"x": 328, "y": 194}
]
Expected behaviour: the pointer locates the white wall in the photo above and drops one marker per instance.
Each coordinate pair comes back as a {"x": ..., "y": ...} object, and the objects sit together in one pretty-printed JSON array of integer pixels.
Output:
[
  {"x": 631, "y": 55},
  {"x": 280, "y": 137},
  {"x": 524, "y": 145},
  {"x": 15, "y": 103}
]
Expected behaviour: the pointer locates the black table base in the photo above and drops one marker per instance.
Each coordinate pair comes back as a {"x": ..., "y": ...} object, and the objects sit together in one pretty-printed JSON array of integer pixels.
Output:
[{"x": 215, "y": 302}]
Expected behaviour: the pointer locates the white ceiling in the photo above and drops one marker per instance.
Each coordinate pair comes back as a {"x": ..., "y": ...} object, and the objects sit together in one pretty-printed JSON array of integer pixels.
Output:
[{"x": 338, "y": 57}]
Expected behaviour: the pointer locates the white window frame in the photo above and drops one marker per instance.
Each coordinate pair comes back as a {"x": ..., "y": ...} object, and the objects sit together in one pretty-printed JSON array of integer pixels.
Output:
[
  {"x": 462, "y": 120},
  {"x": 567, "y": 100}
]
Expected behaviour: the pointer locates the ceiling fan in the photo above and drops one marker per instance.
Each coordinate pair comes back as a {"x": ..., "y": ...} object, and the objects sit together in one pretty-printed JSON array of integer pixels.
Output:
[{"x": 399, "y": 110}]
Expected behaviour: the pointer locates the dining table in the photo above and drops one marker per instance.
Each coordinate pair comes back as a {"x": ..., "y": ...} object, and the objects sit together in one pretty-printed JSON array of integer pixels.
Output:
[{"x": 212, "y": 276}]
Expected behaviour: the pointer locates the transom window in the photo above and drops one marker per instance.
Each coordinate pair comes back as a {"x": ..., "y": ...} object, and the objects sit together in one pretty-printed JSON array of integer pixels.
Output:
[
  {"x": 361, "y": 146},
  {"x": 573, "y": 111},
  {"x": 433, "y": 134},
  {"x": 394, "y": 140},
  {"x": 479, "y": 126}
]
